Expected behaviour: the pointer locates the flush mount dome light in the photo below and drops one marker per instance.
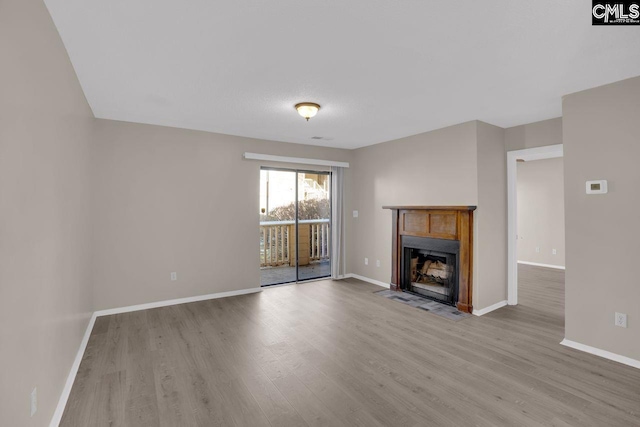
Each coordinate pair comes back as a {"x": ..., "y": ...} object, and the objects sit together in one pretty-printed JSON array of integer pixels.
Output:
[{"x": 307, "y": 109}]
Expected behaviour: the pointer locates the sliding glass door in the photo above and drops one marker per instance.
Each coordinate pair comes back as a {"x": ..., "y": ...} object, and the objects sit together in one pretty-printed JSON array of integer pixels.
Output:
[{"x": 295, "y": 225}]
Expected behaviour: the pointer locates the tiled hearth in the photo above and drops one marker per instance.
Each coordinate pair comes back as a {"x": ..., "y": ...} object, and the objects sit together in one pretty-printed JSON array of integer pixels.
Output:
[{"x": 434, "y": 307}]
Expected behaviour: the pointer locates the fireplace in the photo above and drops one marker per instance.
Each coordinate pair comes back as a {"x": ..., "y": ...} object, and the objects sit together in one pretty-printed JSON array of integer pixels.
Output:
[
  {"x": 432, "y": 253},
  {"x": 429, "y": 267}
]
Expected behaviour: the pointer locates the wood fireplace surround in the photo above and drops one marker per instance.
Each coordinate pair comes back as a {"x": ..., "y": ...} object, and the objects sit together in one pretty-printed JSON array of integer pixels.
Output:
[{"x": 439, "y": 222}]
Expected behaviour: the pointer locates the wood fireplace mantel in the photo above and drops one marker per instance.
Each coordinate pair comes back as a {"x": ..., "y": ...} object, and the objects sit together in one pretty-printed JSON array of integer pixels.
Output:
[{"x": 440, "y": 222}]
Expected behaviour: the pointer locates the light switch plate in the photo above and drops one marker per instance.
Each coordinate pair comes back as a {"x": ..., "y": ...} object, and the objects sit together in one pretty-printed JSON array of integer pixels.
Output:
[{"x": 355, "y": 214}]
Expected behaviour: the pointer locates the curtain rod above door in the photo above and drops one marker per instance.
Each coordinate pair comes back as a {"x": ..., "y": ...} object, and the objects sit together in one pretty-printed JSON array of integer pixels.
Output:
[{"x": 300, "y": 160}]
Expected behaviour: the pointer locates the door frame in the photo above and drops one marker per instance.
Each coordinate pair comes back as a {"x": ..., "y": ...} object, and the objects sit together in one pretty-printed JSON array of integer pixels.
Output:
[
  {"x": 297, "y": 223},
  {"x": 528, "y": 154}
]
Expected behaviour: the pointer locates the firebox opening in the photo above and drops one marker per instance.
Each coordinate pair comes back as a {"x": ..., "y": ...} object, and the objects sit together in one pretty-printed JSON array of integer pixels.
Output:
[
  {"x": 430, "y": 269},
  {"x": 430, "y": 272}
]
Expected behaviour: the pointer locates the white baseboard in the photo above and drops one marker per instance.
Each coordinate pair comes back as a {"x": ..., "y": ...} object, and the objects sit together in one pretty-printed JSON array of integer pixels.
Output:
[
  {"x": 602, "y": 353},
  {"x": 166, "y": 303},
  {"x": 537, "y": 264},
  {"x": 366, "y": 279},
  {"x": 489, "y": 309},
  {"x": 279, "y": 285},
  {"x": 66, "y": 391},
  {"x": 62, "y": 402}
]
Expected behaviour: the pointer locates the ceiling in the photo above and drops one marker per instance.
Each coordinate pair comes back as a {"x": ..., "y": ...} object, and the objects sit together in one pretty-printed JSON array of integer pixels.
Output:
[{"x": 380, "y": 69}]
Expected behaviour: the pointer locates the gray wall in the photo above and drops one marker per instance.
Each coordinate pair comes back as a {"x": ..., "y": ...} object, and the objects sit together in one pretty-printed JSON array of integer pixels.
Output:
[
  {"x": 490, "y": 240},
  {"x": 45, "y": 277},
  {"x": 170, "y": 199},
  {"x": 408, "y": 171},
  {"x": 531, "y": 135},
  {"x": 161, "y": 206},
  {"x": 541, "y": 211},
  {"x": 459, "y": 165},
  {"x": 600, "y": 133}
]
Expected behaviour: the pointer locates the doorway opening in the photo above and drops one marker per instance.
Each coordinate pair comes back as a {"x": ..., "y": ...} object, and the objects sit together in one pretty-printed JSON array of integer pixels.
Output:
[
  {"x": 295, "y": 225},
  {"x": 539, "y": 242}
]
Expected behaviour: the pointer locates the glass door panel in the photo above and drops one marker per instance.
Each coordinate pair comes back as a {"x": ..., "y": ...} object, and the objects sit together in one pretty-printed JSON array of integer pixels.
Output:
[
  {"x": 314, "y": 222},
  {"x": 277, "y": 227}
]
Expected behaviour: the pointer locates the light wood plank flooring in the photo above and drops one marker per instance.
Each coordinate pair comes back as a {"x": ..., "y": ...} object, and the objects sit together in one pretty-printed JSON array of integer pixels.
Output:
[{"x": 335, "y": 354}]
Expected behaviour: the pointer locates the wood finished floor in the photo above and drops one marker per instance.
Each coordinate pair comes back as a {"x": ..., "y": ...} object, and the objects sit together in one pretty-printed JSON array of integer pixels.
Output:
[{"x": 334, "y": 353}]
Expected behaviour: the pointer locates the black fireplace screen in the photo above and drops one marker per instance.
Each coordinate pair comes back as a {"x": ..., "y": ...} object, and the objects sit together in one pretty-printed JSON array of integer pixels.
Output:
[{"x": 430, "y": 268}]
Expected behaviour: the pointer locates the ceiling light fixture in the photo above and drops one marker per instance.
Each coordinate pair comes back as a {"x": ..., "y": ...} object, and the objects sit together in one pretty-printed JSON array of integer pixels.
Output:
[{"x": 307, "y": 109}]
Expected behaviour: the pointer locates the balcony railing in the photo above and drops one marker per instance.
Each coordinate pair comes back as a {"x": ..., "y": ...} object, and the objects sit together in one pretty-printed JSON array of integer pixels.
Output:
[{"x": 278, "y": 242}]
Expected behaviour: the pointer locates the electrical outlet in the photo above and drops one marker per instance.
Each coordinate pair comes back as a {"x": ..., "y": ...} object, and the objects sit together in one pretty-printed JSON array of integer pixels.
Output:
[
  {"x": 554, "y": 252},
  {"x": 621, "y": 320},
  {"x": 378, "y": 263},
  {"x": 366, "y": 261},
  {"x": 34, "y": 401},
  {"x": 537, "y": 249},
  {"x": 174, "y": 276}
]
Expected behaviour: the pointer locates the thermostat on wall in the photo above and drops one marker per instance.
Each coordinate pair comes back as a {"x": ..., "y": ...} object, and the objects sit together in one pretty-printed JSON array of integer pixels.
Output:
[{"x": 597, "y": 187}]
